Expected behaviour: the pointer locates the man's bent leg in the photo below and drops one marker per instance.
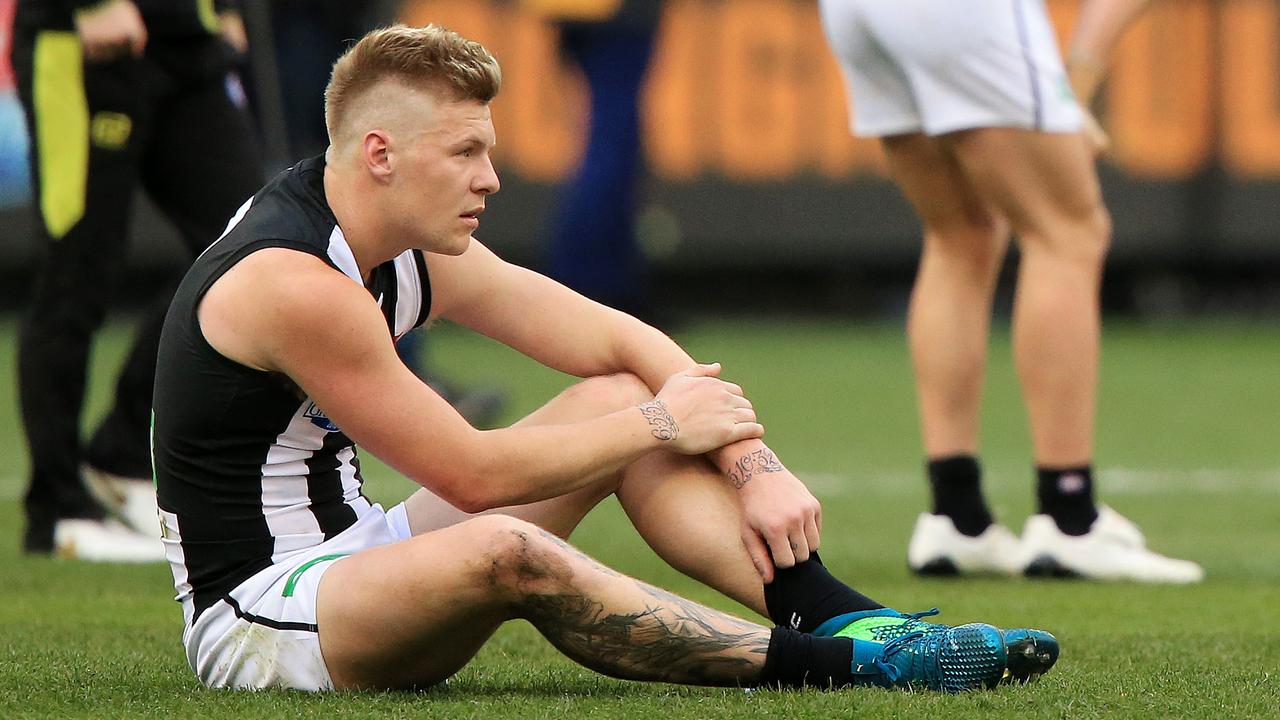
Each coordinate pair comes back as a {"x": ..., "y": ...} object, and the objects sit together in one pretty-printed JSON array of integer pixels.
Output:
[
  {"x": 412, "y": 613},
  {"x": 683, "y": 508}
]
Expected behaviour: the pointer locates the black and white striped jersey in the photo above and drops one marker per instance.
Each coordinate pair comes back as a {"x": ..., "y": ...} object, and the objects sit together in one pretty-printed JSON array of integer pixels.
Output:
[{"x": 248, "y": 469}]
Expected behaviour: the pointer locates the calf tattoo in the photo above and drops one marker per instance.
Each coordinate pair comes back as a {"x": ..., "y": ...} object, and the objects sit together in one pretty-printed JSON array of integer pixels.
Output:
[
  {"x": 661, "y": 424},
  {"x": 757, "y": 462},
  {"x": 655, "y": 636}
]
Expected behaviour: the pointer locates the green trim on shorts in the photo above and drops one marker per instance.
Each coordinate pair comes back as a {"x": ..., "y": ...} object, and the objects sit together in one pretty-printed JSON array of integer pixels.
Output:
[{"x": 293, "y": 577}]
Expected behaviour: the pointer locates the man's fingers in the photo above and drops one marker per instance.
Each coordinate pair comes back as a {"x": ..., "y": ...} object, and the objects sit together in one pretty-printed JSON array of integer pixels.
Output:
[
  {"x": 745, "y": 431},
  {"x": 744, "y": 415},
  {"x": 812, "y": 534},
  {"x": 704, "y": 370},
  {"x": 799, "y": 546},
  {"x": 780, "y": 546},
  {"x": 759, "y": 553}
]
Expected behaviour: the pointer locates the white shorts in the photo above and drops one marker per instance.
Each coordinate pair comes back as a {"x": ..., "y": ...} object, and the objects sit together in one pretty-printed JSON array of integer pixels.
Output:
[
  {"x": 264, "y": 635},
  {"x": 940, "y": 66}
]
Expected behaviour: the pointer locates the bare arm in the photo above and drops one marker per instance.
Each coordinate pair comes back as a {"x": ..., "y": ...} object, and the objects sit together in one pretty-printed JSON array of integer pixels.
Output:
[
  {"x": 1098, "y": 28},
  {"x": 109, "y": 30},
  {"x": 263, "y": 313},
  {"x": 569, "y": 332}
]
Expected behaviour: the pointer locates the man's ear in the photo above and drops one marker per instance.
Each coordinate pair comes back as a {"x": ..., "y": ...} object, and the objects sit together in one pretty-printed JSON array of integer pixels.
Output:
[{"x": 375, "y": 151}]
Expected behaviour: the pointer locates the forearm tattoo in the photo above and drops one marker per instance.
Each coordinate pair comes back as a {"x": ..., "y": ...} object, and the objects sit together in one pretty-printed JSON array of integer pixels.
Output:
[
  {"x": 753, "y": 463},
  {"x": 661, "y": 637},
  {"x": 661, "y": 424}
]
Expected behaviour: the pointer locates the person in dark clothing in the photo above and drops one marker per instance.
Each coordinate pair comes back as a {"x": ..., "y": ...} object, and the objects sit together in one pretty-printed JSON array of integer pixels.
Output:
[
  {"x": 118, "y": 95},
  {"x": 592, "y": 245}
]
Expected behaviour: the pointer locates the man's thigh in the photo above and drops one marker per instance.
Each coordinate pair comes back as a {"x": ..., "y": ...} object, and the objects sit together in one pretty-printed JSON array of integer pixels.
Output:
[
  {"x": 412, "y": 613},
  {"x": 1041, "y": 182}
]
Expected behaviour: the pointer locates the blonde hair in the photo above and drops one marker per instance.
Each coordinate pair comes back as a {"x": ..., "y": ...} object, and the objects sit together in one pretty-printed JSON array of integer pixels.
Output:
[{"x": 433, "y": 56}]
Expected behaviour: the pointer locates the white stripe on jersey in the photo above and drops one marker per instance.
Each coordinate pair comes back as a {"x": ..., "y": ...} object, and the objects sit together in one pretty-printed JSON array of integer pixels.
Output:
[
  {"x": 408, "y": 292},
  {"x": 235, "y": 220},
  {"x": 350, "y": 485},
  {"x": 341, "y": 255},
  {"x": 286, "y": 503},
  {"x": 171, "y": 538}
]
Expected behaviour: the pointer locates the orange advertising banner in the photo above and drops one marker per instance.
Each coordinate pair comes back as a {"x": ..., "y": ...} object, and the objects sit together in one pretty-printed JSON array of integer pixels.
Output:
[{"x": 747, "y": 90}]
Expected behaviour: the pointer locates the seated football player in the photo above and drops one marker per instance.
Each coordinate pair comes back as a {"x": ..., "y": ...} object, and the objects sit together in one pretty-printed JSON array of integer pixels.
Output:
[{"x": 277, "y": 360}]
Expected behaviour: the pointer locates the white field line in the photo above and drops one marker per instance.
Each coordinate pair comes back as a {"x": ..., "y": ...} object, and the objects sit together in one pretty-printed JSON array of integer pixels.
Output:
[{"x": 1121, "y": 481}]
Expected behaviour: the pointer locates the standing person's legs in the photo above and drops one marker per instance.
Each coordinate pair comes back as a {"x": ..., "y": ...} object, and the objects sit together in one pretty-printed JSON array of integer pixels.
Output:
[
  {"x": 87, "y": 122},
  {"x": 1045, "y": 184}
]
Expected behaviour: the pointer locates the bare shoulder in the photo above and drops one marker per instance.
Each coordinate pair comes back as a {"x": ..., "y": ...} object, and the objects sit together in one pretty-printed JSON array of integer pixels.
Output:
[{"x": 273, "y": 300}]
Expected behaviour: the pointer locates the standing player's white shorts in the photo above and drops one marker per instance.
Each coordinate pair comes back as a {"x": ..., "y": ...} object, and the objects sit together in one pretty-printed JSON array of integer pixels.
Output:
[
  {"x": 938, "y": 66},
  {"x": 264, "y": 634}
]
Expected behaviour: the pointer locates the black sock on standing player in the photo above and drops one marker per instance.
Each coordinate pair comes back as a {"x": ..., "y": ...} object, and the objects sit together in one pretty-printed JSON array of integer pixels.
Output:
[
  {"x": 804, "y": 596},
  {"x": 1066, "y": 495},
  {"x": 798, "y": 660},
  {"x": 957, "y": 493}
]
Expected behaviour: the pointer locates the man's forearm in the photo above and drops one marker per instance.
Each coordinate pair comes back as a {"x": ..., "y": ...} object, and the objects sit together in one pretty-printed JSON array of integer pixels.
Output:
[
  {"x": 1098, "y": 28},
  {"x": 743, "y": 461}
]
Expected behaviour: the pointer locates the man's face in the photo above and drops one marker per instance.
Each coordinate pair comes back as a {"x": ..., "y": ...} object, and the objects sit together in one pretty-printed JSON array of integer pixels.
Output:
[{"x": 444, "y": 174}]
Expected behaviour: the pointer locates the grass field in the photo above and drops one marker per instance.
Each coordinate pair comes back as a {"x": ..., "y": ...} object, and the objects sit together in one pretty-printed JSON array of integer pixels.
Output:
[{"x": 1188, "y": 447}]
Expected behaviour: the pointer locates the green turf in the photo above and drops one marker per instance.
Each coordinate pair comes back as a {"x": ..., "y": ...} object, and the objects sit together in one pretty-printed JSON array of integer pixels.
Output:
[{"x": 1187, "y": 445}]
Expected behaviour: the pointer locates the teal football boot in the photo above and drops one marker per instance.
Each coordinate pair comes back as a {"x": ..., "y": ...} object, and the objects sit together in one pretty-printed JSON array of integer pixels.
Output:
[
  {"x": 958, "y": 659},
  {"x": 1031, "y": 653}
]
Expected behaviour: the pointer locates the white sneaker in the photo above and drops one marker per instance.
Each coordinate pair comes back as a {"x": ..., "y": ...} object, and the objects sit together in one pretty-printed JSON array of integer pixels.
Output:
[
  {"x": 132, "y": 500},
  {"x": 104, "y": 541},
  {"x": 1113, "y": 549},
  {"x": 938, "y": 548}
]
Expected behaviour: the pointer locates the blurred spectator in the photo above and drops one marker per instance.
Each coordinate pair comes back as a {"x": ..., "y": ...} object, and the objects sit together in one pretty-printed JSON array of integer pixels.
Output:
[
  {"x": 118, "y": 95},
  {"x": 592, "y": 246}
]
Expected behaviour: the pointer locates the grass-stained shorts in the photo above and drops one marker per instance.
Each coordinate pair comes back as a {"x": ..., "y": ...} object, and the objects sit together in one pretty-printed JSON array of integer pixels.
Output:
[{"x": 263, "y": 634}]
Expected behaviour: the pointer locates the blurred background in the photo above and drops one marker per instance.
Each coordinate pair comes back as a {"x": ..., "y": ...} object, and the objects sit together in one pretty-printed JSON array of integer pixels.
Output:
[{"x": 747, "y": 171}]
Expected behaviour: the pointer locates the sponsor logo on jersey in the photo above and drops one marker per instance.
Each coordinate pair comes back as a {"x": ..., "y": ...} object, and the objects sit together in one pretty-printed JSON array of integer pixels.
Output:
[{"x": 318, "y": 418}]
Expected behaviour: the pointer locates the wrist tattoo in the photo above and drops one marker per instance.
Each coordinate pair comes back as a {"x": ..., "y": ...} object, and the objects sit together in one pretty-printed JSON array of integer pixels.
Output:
[
  {"x": 753, "y": 463},
  {"x": 661, "y": 424}
]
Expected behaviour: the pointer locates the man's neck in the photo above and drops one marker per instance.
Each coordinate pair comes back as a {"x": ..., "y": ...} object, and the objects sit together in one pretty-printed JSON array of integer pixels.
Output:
[{"x": 358, "y": 223}]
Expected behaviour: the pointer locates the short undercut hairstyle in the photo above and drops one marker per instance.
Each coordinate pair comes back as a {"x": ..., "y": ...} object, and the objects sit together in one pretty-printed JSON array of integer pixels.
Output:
[{"x": 433, "y": 57}]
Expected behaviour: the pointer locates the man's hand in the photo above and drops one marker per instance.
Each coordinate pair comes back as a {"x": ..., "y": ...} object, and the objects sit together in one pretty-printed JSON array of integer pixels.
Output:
[
  {"x": 231, "y": 29},
  {"x": 696, "y": 412},
  {"x": 111, "y": 30},
  {"x": 781, "y": 519},
  {"x": 1085, "y": 75}
]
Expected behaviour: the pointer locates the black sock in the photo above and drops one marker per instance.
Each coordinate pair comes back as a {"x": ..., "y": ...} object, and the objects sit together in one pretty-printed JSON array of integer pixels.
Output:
[
  {"x": 804, "y": 596},
  {"x": 798, "y": 660},
  {"x": 1066, "y": 495},
  {"x": 957, "y": 493}
]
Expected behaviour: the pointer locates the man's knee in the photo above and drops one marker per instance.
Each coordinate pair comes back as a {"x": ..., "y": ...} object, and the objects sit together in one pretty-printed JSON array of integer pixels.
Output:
[
  {"x": 518, "y": 559},
  {"x": 1082, "y": 235},
  {"x": 976, "y": 241},
  {"x": 610, "y": 393}
]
